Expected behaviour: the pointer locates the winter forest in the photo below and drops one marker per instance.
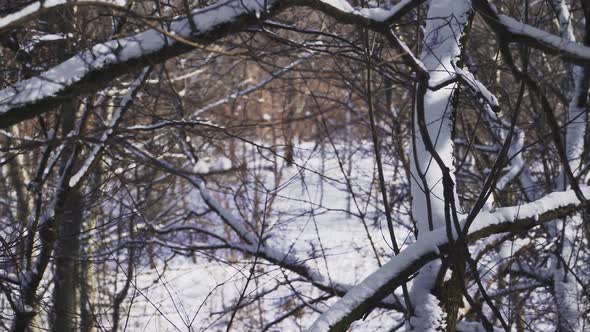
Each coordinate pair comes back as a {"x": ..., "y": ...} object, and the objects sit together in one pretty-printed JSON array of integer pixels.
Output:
[{"x": 294, "y": 165}]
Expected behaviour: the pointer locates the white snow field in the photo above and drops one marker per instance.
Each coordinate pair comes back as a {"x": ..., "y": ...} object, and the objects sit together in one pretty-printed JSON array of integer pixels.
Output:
[{"x": 309, "y": 217}]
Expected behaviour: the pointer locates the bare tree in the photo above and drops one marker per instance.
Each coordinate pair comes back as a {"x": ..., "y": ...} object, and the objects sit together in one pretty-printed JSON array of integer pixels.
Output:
[{"x": 439, "y": 147}]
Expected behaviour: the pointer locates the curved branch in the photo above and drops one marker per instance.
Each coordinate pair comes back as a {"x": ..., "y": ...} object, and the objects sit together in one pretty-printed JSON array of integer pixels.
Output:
[
  {"x": 285, "y": 259},
  {"x": 92, "y": 69},
  {"x": 36, "y": 8},
  {"x": 433, "y": 244},
  {"x": 512, "y": 30}
]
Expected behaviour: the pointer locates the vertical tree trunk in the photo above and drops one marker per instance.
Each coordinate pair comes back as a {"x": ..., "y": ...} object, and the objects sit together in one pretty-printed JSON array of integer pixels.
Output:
[
  {"x": 67, "y": 245},
  {"x": 447, "y": 20},
  {"x": 564, "y": 285},
  {"x": 69, "y": 212},
  {"x": 122, "y": 294},
  {"x": 87, "y": 283},
  {"x": 17, "y": 177}
]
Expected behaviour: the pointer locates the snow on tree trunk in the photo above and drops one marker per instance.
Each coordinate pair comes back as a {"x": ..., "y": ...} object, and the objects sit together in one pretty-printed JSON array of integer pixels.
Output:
[
  {"x": 445, "y": 25},
  {"x": 576, "y": 128},
  {"x": 564, "y": 284}
]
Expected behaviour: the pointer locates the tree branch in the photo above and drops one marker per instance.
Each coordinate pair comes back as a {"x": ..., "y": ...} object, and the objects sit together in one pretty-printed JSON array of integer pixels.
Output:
[{"x": 431, "y": 245}]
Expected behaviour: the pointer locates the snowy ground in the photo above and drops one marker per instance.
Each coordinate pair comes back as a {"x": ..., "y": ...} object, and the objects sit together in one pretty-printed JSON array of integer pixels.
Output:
[{"x": 309, "y": 215}]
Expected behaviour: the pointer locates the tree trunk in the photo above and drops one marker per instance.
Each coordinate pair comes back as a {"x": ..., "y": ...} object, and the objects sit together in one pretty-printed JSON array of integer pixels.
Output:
[
  {"x": 67, "y": 245},
  {"x": 87, "y": 283},
  {"x": 447, "y": 20}
]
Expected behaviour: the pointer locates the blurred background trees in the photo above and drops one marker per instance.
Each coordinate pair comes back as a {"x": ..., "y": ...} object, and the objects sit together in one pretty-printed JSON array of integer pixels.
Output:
[{"x": 238, "y": 183}]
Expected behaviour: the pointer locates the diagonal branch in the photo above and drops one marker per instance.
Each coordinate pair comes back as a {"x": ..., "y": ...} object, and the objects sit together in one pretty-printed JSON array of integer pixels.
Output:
[
  {"x": 285, "y": 259},
  {"x": 96, "y": 67},
  {"x": 35, "y": 8},
  {"x": 433, "y": 244},
  {"x": 512, "y": 30}
]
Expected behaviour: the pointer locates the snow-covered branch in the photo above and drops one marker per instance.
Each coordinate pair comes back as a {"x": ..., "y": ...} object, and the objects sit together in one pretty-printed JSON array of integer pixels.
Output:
[
  {"x": 286, "y": 260},
  {"x": 116, "y": 118},
  {"x": 512, "y": 30},
  {"x": 564, "y": 286},
  {"x": 97, "y": 66},
  {"x": 93, "y": 68},
  {"x": 36, "y": 8},
  {"x": 433, "y": 244}
]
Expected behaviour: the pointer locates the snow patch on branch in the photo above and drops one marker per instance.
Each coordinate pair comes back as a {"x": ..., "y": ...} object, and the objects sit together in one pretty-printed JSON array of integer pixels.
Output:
[
  {"x": 576, "y": 129},
  {"x": 101, "y": 56},
  {"x": 563, "y": 45},
  {"x": 428, "y": 316},
  {"x": 37, "y": 6},
  {"x": 476, "y": 86},
  {"x": 376, "y": 14},
  {"x": 427, "y": 246},
  {"x": 383, "y": 14},
  {"x": 288, "y": 259},
  {"x": 516, "y": 160},
  {"x": 566, "y": 30},
  {"x": 115, "y": 120}
]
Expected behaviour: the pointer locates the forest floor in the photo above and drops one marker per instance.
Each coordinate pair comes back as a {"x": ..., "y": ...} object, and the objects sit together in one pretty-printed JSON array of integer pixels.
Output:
[{"x": 310, "y": 218}]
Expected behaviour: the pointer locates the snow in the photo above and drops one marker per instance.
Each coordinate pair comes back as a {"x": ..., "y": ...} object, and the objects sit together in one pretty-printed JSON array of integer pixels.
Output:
[
  {"x": 227, "y": 216},
  {"x": 560, "y": 44},
  {"x": 533, "y": 210},
  {"x": 446, "y": 22},
  {"x": 206, "y": 165},
  {"x": 566, "y": 29},
  {"x": 428, "y": 316},
  {"x": 28, "y": 10},
  {"x": 43, "y": 5},
  {"x": 427, "y": 245},
  {"x": 565, "y": 288},
  {"x": 377, "y": 14},
  {"x": 409, "y": 52},
  {"x": 115, "y": 120},
  {"x": 566, "y": 293},
  {"x": 182, "y": 77},
  {"x": 382, "y": 14},
  {"x": 100, "y": 56},
  {"x": 273, "y": 253},
  {"x": 293, "y": 239},
  {"x": 341, "y": 5},
  {"x": 113, "y": 52},
  {"x": 477, "y": 86},
  {"x": 276, "y": 248},
  {"x": 576, "y": 127},
  {"x": 9, "y": 277},
  {"x": 516, "y": 160},
  {"x": 438, "y": 56},
  {"x": 44, "y": 38}
]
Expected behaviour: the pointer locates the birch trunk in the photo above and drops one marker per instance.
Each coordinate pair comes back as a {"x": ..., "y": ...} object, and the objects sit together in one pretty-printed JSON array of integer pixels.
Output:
[
  {"x": 67, "y": 246},
  {"x": 446, "y": 22},
  {"x": 564, "y": 285}
]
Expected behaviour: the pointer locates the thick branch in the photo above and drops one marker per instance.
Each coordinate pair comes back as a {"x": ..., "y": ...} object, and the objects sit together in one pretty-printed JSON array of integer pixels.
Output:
[
  {"x": 94, "y": 68},
  {"x": 34, "y": 9},
  {"x": 433, "y": 244},
  {"x": 512, "y": 30}
]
